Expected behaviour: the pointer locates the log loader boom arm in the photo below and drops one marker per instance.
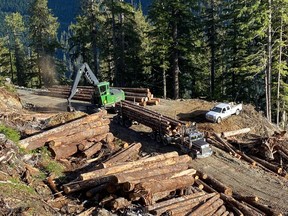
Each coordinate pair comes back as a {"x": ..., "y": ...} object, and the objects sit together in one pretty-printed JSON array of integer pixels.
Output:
[{"x": 89, "y": 75}]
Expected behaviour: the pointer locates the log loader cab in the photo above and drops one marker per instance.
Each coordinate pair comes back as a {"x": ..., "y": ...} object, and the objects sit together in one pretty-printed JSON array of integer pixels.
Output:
[{"x": 103, "y": 95}]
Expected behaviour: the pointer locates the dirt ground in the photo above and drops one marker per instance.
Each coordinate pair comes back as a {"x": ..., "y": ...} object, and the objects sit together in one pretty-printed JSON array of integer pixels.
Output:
[{"x": 271, "y": 189}]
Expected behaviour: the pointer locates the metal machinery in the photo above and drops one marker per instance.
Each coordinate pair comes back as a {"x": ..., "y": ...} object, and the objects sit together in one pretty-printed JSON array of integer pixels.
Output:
[{"x": 103, "y": 96}]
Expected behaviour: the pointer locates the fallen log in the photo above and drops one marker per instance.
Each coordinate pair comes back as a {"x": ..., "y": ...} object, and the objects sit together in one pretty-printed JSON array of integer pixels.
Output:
[
  {"x": 162, "y": 160},
  {"x": 83, "y": 134},
  {"x": 265, "y": 209},
  {"x": 220, "y": 210},
  {"x": 280, "y": 147},
  {"x": 268, "y": 165},
  {"x": 150, "y": 173},
  {"x": 39, "y": 140},
  {"x": 226, "y": 213},
  {"x": 91, "y": 183},
  {"x": 63, "y": 151},
  {"x": 210, "y": 210},
  {"x": 235, "y": 132},
  {"x": 229, "y": 147},
  {"x": 139, "y": 90},
  {"x": 248, "y": 199},
  {"x": 201, "y": 209},
  {"x": 178, "y": 203},
  {"x": 165, "y": 185},
  {"x": 242, "y": 207},
  {"x": 175, "y": 200},
  {"x": 247, "y": 158},
  {"x": 92, "y": 150},
  {"x": 129, "y": 186},
  {"x": 206, "y": 188},
  {"x": 122, "y": 155},
  {"x": 201, "y": 174},
  {"x": 218, "y": 186}
]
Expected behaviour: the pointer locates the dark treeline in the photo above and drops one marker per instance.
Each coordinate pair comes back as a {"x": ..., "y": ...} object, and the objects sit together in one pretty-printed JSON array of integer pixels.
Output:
[{"x": 217, "y": 50}]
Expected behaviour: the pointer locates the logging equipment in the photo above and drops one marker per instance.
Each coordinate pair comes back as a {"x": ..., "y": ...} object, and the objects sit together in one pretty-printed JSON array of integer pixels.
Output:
[
  {"x": 103, "y": 96},
  {"x": 165, "y": 130}
]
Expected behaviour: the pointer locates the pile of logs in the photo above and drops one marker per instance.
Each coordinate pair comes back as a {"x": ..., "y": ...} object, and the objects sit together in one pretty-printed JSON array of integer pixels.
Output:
[
  {"x": 84, "y": 136},
  {"x": 143, "y": 96},
  {"x": 268, "y": 153},
  {"x": 152, "y": 119},
  {"x": 162, "y": 183}
]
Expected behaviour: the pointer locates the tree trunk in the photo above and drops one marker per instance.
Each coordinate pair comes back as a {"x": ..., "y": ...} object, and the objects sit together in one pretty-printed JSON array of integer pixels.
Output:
[
  {"x": 175, "y": 60},
  {"x": 279, "y": 71},
  {"x": 269, "y": 63}
]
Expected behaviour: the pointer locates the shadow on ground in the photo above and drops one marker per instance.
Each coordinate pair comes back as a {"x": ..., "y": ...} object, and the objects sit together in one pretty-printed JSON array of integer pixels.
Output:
[{"x": 195, "y": 116}]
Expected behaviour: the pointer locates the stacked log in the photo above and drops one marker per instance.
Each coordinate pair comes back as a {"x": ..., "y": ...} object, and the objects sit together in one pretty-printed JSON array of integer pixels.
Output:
[
  {"x": 149, "y": 179},
  {"x": 83, "y": 135},
  {"x": 84, "y": 93},
  {"x": 141, "y": 95},
  {"x": 152, "y": 119}
]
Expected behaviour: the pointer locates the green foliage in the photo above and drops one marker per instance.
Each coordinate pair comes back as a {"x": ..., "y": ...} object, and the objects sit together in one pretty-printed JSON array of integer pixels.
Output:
[
  {"x": 48, "y": 165},
  {"x": 10, "y": 133}
]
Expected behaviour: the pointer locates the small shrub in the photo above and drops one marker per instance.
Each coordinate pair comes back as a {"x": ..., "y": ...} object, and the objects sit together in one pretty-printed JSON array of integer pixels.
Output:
[{"x": 10, "y": 133}]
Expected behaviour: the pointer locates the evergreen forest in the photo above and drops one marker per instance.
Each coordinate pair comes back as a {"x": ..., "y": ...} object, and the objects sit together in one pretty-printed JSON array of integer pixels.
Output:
[{"x": 213, "y": 50}]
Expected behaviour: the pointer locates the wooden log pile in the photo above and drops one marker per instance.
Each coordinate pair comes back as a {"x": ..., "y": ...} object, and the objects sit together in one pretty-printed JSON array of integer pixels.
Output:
[
  {"x": 269, "y": 153},
  {"x": 143, "y": 96},
  {"x": 152, "y": 119},
  {"x": 145, "y": 181},
  {"x": 84, "y": 136}
]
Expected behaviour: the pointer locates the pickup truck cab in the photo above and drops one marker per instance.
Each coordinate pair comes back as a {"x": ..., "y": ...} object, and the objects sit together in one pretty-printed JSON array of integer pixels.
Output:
[{"x": 222, "y": 111}]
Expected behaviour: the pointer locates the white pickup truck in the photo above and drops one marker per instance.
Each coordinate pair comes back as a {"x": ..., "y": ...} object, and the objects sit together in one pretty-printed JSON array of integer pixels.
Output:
[{"x": 222, "y": 111}]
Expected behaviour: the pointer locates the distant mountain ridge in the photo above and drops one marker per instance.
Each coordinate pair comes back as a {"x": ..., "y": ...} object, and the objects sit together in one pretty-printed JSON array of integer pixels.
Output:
[{"x": 65, "y": 10}]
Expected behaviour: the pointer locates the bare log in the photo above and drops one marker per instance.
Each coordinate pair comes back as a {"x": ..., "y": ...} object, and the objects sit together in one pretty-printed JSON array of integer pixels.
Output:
[
  {"x": 210, "y": 210},
  {"x": 92, "y": 150},
  {"x": 230, "y": 148},
  {"x": 248, "y": 199},
  {"x": 88, "y": 133},
  {"x": 152, "y": 102},
  {"x": 217, "y": 185},
  {"x": 122, "y": 155},
  {"x": 220, "y": 211},
  {"x": 268, "y": 165},
  {"x": 82, "y": 185},
  {"x": 39, "y": 140},
  {"x": 242, "y": 207},
  {"x": 235, "y": 132},
  {"x": 181, "y": 203},
  {"x": 175, "y": 200},
  {"x": 247, "y": 158},
  {"x": 265, "y": 209},
  {"x": 206, "y": 188},
  {"x": 88, "y": 212},
  {"x": 63, "y": 151},
  {"x": 201, "y": 174},
  {"x": 200, "y": 210},
  {"x": 129, "y": 165},
  {"x": 136, "y": 99},
  {"x": 129, "y": 186}
]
